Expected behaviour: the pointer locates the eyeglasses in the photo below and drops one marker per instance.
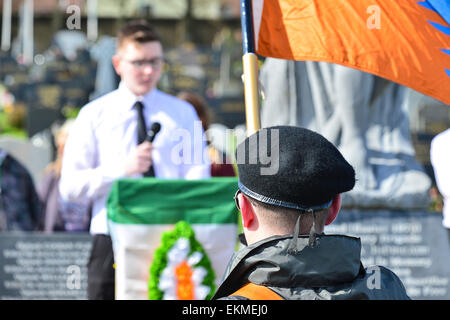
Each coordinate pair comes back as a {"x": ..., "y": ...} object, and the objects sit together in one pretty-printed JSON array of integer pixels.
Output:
[
  {"x": 236, "y": 201},
  {"x": 155, "y": 63}
]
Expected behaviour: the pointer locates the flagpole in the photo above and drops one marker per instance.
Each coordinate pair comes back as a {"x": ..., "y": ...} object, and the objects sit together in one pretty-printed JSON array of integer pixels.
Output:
[{"x": 250, "y": 69}]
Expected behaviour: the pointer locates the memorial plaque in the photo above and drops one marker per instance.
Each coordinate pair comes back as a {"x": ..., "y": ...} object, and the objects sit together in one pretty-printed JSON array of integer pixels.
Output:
[
  {"x": 8, "y": 67},
  {"x": 42, "y": 95},
  {"x": 43, "y": 267},
  {"x": 56, "y": 71},
  {"x": 39, "y": 119},
  {"x": 74, "y": 94},
  {"x": 414, "y": 245},
  {"x": 228, "y": 110},
  {"x": 211, "y": 73}
]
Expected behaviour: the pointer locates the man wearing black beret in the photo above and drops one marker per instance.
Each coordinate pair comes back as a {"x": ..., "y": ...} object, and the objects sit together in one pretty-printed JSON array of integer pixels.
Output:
[{"x": 290, "y": 181}]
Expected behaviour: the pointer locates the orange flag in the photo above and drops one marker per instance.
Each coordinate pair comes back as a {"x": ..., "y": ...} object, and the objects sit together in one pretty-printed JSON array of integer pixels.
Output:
[{"x": 405, "y": 41}]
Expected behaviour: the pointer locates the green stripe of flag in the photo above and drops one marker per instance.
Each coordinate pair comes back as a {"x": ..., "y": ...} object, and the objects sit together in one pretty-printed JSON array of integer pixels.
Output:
[{"x": 161, "y": 201}]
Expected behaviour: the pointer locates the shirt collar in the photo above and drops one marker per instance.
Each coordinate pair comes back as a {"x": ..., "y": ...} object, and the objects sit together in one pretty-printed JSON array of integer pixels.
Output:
[{"x": 130, "y": 98}]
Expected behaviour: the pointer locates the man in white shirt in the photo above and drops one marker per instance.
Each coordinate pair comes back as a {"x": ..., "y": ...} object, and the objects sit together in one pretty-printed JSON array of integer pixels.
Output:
[
  {"x": 106, "y": 142},
  {"x": 440, "y": 159}
]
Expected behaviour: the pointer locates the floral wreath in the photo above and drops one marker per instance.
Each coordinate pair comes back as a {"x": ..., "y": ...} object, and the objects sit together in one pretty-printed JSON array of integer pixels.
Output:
[{"x": 181, "y": 269}]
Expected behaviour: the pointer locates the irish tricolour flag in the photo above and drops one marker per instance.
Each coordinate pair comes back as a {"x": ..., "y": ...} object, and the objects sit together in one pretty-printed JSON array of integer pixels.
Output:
[{"x": 141, "y": 211}]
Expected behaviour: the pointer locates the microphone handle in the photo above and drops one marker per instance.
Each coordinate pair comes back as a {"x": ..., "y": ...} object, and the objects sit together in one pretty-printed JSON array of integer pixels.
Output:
[{"x": 151, "y": 137}]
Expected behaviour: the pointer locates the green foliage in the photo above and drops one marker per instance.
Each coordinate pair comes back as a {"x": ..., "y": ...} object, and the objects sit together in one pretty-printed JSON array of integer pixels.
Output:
[
  {"x": 7, "y": 128},
  {"x": 182, "y": 229},
  {"x": 70, "y": 112}
]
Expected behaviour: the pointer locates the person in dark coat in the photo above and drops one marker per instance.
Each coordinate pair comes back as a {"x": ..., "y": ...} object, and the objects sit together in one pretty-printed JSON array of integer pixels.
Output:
[
  {"x": 20, "y": 209},
  {"x": 290, "y": 181}
]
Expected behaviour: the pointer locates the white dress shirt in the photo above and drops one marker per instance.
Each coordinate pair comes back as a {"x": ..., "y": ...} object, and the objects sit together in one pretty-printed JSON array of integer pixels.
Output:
[
  {"x": 105, "y": 132},
  {"x": 440, "y": 159}
]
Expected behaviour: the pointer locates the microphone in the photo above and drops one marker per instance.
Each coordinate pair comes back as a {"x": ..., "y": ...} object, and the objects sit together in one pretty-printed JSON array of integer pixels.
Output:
[{"x": 154, "y": 129}]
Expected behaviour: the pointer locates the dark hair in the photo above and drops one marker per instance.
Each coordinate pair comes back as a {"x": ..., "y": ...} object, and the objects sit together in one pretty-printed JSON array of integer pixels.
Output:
[{"x": 137, "y": 31}]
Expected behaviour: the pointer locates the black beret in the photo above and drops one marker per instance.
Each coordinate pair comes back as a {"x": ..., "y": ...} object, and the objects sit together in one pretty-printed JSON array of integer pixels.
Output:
[{"x": 292, "y": 167}]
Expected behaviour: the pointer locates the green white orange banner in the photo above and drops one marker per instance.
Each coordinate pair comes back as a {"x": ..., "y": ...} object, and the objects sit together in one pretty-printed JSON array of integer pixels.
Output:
[{"x": 141, "y": 210}]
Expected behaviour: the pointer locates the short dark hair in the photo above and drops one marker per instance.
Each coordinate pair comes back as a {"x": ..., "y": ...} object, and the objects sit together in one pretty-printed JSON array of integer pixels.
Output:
[
  {"x": 285, "y": 218},
  {"x": 137, "y": 31}
]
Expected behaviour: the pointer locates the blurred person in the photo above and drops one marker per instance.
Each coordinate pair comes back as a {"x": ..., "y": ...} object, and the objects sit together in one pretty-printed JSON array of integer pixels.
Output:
[
  {"x": 109, "y": 142},
  {"x": 436, "y": 199},
  {"x": 220, "y": 164},
  {"x": 20, "y": 209},
  {"x": 58, "y": 214},
  {"x": 284, "y": 213},
  {"x": 440, "y": 160}
]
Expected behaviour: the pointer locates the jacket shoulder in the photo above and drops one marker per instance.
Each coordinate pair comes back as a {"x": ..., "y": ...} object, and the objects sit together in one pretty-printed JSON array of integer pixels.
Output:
[
  {"x": 233, "y": 298},
  {"x": 385, "y": 284}
]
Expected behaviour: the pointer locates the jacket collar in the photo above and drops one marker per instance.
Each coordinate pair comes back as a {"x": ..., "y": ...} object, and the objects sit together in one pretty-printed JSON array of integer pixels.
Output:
[{"x": 333, "y": 260}]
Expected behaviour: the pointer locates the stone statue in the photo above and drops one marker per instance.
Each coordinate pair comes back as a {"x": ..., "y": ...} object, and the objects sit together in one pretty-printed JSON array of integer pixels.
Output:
[{"x": 365, "y": 116}]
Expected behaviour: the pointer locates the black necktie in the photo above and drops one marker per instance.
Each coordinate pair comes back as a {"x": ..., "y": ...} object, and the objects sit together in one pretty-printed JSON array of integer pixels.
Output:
[{"x": 142, "y": 133}]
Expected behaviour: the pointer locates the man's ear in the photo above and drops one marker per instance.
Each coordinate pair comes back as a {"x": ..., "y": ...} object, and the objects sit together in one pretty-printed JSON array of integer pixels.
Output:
[
  {"x": 334, "y": 209},
  {"x": 116, "y": 63},
  {"x": 248, "y": 215}
]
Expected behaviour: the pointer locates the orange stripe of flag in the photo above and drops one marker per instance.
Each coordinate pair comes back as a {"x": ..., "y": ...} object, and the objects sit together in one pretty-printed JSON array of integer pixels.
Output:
[{"x": 394, "y": 39}]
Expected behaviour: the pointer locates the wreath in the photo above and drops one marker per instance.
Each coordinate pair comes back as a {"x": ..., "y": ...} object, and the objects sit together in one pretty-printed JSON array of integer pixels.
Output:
[{"x": 181, "y": 269}]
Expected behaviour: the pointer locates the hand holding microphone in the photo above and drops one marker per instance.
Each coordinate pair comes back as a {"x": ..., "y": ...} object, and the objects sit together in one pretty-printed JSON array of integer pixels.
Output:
[
  {"x": 140, "y": 159},
  {"x": 154, "y": 129}
]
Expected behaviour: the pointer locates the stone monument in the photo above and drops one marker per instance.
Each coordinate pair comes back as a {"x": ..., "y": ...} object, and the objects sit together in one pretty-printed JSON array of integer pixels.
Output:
[{"x": 365, "y": 116}]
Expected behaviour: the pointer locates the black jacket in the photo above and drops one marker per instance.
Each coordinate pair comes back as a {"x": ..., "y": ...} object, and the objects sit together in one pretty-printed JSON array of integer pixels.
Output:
[
  {"x": 331, "y": 269},
  {"x": 20, "y": 209}
]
